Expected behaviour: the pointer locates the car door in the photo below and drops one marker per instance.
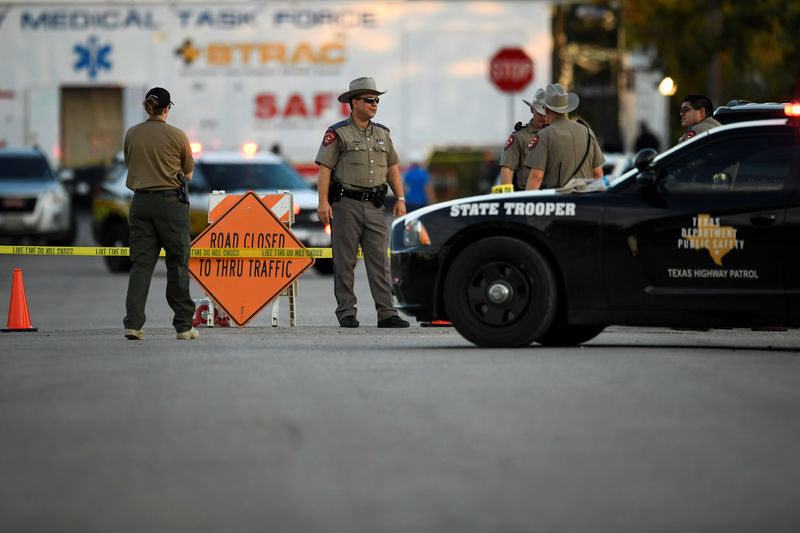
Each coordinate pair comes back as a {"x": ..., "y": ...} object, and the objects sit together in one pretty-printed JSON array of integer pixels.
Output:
[
  {"x": 198, "y": 201},
  {"x": 792, "y": 240},
  {"x": 710, "y": 241}
]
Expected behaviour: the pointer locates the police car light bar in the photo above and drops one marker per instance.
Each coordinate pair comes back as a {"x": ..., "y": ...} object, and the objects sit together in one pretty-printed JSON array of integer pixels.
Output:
[{"x": 792, "y": 110}]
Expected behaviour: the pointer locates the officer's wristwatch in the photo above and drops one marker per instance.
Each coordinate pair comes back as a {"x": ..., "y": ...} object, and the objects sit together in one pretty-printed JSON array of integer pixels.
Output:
[{"x": 401, "y": 198}]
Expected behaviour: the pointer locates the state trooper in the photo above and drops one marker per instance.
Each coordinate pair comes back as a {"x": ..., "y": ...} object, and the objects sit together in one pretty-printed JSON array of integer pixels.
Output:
[
  {"x": 512, "y": 163},
  {"x": 356, "y": 161},
  {"x": 565, "y": 149},
  {"x": 696, "y": 116}
]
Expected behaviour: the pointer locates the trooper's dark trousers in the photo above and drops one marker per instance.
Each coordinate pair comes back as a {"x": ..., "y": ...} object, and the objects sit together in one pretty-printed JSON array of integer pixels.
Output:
[{"x": 156, "y": 221}]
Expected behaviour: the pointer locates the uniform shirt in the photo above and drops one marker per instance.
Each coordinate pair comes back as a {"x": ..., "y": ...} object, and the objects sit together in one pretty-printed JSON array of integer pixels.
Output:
[
  {"x": 360, "y": 158},
  {"x": 154, "y": 153},
  {"x": 704, "y": 125},
  {"x": 515, "y": 151},
  {"x": 559, "y": 148}
]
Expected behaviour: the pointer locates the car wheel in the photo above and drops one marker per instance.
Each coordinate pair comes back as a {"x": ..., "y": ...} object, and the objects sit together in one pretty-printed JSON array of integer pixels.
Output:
[
  {"x": 324, "y": 266},
  {"x": 566, "y": 335},
  {"x": 501, "y": 291},
  {"x": 118, "y": 236}
]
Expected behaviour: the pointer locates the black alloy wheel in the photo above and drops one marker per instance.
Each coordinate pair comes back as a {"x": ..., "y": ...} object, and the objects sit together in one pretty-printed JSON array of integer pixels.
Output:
[{"x": 501, "y": 291}]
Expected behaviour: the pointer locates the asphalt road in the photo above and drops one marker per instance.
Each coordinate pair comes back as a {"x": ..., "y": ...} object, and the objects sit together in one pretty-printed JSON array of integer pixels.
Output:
[{"x": 315, "y": 428}]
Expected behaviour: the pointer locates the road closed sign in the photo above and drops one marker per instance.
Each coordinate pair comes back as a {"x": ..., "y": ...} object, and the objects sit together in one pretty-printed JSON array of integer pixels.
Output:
[{"x": 243, "y": 286}]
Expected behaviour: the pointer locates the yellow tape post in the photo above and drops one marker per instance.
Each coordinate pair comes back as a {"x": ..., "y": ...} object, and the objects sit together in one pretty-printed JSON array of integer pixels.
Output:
[{"x": 318, "y": 253}]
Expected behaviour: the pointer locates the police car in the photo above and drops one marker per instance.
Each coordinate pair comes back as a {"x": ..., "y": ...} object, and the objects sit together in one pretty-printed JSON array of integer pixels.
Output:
[
  {"x": 704, "y": 235},
  {"x": 235, "y": 171}
]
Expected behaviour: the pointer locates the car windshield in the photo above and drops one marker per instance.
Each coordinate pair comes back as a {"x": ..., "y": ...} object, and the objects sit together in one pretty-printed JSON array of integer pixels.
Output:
[
  {"x": 251, "y": 176},
  {"x": 33, "y": 168}
]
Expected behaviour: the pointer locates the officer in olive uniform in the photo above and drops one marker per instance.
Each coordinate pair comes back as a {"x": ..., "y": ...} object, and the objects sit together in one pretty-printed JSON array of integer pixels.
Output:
[
  {"x": 696, "y": 116},
  {"x": 512, "y": 163},
  {"x": 565, "y": 149},
  {"x": 356, "y": 161},
  {"x": 155, "y": 154}
]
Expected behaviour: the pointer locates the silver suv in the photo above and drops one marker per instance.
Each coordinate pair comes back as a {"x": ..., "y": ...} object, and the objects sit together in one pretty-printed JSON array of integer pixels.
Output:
[{"x": 33, "y": 202}]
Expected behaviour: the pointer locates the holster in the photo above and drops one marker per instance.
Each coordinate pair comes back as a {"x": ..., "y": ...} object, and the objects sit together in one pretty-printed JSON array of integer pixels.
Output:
[
  {"x": 183, "y": 190},
  {"x": 335, "y": 191},
  {"x": 379, "y": 197}
]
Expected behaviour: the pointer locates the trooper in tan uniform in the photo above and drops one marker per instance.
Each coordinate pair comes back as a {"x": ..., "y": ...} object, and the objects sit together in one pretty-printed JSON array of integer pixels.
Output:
[
  {"x": 356, "y": 161},
  {"x": 512, "y": 163},
  {"x": 565, "y": 149},
  {"x": 696, "y": 116},
  {"x": 156, "y": 153}
]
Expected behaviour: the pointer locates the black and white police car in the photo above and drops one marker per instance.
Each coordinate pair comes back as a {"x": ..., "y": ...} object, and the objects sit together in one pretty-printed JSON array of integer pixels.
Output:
[{"x": 704, "y": 235}]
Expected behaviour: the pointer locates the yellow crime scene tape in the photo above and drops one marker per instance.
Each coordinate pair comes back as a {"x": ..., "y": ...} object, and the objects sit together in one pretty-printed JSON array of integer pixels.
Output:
[{"x": 318, "y": 253}]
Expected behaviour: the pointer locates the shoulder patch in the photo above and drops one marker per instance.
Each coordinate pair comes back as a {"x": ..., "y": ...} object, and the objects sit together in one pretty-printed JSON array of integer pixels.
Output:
[
  {"x": 533, "y": 142},
  {"x": 381, "y": 126},
  {"x": 690, "y": 134},
  {"x": 329, "y": 137},
  {"x": 509, "y": 142}
]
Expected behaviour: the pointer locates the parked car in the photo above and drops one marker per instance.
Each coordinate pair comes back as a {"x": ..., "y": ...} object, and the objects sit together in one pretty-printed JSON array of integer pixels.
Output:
[
  {"x": 616, "y": 164},
  {"x": 34, "y": 204},
  {"x": 705, "y": 235},
  {"x": 229, "y": 171}
]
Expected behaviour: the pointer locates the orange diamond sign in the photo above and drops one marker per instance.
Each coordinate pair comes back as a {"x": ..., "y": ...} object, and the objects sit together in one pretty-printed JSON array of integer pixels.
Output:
[{"x": 244, "y": 286}]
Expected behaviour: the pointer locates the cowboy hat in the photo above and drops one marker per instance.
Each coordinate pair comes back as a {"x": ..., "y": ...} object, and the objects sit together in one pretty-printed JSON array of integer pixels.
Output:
[
  {"x": 559, "y": 100},
  {"x": 537, "y": 104},
  {"x": 360, "y": 86}
]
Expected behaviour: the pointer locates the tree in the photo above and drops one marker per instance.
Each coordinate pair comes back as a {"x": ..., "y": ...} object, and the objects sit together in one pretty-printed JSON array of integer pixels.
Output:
[{"x": 726, "y": 49}]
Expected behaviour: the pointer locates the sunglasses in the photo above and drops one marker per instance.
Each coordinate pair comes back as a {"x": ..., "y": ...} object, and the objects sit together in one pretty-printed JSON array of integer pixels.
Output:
[
  {"x": 370, "y": 100},
  {"x": 686, "y": 109}
]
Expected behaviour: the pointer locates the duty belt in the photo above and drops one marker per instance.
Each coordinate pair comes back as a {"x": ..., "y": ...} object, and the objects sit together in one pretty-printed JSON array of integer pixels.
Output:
[
  {"x": 363, "y": 196},
  {"x": 163, "y": 192}
]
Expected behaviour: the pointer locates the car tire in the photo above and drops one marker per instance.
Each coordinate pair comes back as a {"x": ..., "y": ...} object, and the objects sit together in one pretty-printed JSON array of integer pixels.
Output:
[
  {"x": 501, "y": 291},
  {"x": 118, "y": 236},
  {"x": 324, "y": 266},
  {"x": 566, "y": 335}
]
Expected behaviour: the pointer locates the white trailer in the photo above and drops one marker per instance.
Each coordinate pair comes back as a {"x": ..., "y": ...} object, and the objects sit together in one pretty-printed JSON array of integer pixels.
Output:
[{"x": 74, "y": 74}]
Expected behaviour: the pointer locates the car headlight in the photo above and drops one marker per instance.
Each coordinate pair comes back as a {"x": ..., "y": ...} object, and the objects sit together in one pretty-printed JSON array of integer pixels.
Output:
[
  {"x": 54, "y": 197},
  {"x": 415, "y": 234}
]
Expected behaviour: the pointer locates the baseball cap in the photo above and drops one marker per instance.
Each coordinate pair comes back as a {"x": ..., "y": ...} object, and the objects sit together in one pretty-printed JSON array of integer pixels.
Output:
[{"x": 161, "y": 95}]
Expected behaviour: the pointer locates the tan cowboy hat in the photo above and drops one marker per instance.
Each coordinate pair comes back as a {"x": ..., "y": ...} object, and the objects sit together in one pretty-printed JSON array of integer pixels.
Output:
[
  {"x": 537, "y": 104},
  {"x": 559, "y": 100},
  {"x": 360, "y": 86}
]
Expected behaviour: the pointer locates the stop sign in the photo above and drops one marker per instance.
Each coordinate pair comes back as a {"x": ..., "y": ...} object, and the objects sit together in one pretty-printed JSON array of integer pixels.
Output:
[{"x": 511, "y": 70}]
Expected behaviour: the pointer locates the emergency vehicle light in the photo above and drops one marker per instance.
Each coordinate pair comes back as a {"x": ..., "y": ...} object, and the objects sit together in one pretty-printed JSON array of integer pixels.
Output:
[
  {"x": 296, "y": 208},
  {"x": 196, "y": 148},
  {"x": 249, "y": 149},
  {"x": 792, "y": 110}
]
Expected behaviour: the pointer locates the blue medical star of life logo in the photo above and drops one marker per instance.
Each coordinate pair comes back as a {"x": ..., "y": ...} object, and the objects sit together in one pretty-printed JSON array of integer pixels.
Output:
[{"x": 92, "y": 57}]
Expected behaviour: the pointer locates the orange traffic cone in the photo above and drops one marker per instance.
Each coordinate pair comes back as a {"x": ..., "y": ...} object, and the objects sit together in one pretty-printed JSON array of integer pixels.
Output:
[{"x": 18, "y": 317}]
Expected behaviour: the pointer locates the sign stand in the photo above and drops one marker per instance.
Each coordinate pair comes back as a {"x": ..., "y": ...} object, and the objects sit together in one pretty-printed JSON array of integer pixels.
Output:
[{"x": 291, "y": 292}]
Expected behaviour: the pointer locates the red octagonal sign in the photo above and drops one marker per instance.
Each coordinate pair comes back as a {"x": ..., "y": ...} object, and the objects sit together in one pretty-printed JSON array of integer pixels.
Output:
[{"x": 511, "y": 70}]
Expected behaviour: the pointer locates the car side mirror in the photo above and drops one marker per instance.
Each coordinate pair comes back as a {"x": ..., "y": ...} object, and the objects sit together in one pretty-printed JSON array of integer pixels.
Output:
[
  {"x": 644, "y": 157},
  {"x": 646, "y": 180}
]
